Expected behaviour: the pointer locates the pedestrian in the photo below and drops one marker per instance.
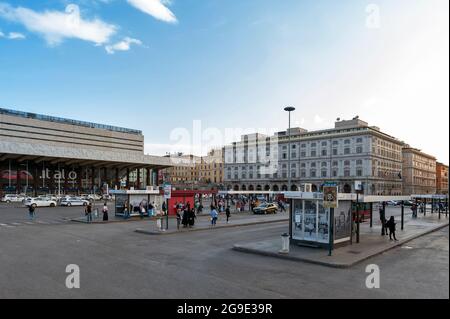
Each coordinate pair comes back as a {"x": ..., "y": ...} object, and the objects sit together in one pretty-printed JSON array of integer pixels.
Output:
[
  {"x": 88, "y": 213},
  {"x": 214, "y": 216},
  {"x": 414, "y": 210},
  {"x": 178, "y": 219},
  {"x": 391, "y": 226},
  {"x": 142, "y": 211},
  {"x": 228, "y": 213},
  {"x": 105, "y": 212},
  {"x": 126, "y": 213},
  {"x": 32, "y": 212},
  {"x": 192, "y": 217},
  {"x": 185, "y": 218},
  {"x": 383, "y": 220}
]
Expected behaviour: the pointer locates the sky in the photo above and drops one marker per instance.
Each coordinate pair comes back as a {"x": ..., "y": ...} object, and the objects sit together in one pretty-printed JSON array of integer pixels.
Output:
[{"x": 192, "y": 74}]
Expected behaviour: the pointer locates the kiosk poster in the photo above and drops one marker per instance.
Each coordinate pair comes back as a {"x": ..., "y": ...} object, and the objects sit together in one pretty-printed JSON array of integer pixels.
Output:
[{"x": 330, "y": 196}]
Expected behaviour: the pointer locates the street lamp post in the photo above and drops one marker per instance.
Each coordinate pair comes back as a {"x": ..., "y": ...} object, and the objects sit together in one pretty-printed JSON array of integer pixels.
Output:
[{"x": 289, "y": 109}]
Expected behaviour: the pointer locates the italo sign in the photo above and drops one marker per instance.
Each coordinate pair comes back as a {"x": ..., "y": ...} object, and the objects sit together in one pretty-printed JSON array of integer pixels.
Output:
[{"x": 59, "y": 174}]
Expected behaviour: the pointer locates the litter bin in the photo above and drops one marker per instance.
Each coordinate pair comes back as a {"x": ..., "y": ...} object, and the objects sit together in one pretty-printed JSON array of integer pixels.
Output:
[{"x": 285, "y": 241}]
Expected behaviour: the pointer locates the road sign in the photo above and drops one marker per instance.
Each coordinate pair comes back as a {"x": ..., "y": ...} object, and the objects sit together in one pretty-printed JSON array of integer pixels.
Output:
[
  {"x": 167, "y": 191},
  {"x": 330, "y": 196},
  {"x": 358, "y": 186}
]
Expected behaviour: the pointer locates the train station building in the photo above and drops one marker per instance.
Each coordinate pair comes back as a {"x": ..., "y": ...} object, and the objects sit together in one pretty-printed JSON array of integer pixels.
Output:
[{"x": 42, "y": 154}]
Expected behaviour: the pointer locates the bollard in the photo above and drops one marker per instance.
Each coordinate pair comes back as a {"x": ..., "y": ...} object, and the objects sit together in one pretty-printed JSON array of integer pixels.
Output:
[{"x": 285, "y": 242}]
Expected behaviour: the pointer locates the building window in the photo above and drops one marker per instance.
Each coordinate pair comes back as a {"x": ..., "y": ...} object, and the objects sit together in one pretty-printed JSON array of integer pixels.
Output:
[
  {"x": 359, "y": 149},
  {"x": 347, "y": 163},
  {"x": 359, "y": 172},
  {"x": 303, "y": 154},
  {"x": 335, "y": 163},
  {"x": 313, "y": 173},
  {"x": 359, "y": 140},
  {"x": 324, "y": 152},
  {"x": 335, "y": 151},
  {"x": 324, "y": 174},
  {"x": 313, "y": 153},
  {"x": 347, "y": 142},
  {"x": 313, "y": 164},
  {"x": 359, "y": 162},
  {"x": 347, "y": 151},
  {"x": 335, "y": 173},
  {"x": 324, "y": 143},
  {"x": 347, "y": 173}
]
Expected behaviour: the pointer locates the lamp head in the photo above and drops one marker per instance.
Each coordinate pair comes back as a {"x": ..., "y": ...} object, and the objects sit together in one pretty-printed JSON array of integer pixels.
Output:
[{"x": 289, "y": 109}]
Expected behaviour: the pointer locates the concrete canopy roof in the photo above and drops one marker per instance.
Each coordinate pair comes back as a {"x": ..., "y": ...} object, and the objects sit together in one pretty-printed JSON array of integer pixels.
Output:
[{"x": 79, "y": 156}]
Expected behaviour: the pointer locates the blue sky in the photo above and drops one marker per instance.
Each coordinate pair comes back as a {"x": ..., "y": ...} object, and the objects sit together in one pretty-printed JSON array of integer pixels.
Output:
[{"x": 158, "y": 65}]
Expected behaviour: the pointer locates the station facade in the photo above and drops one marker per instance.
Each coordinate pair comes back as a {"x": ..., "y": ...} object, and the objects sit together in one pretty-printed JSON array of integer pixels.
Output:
[{"x": 42, "y": 154}]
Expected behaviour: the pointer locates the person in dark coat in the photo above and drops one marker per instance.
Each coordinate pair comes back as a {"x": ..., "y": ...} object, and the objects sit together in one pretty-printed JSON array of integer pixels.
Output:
[
  {"x": 383, "y": 220},
  {"x": 105, "y": 212},
  {"x": 391, "y": 226},
  {"x": 228, "y": 213},
  {"x": 185, "y": 220},
  {"x": 192, "y": 217}
]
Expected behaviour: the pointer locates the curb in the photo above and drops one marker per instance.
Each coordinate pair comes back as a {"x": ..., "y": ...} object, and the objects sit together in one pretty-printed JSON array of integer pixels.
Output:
[
  {"x": 332, "y": 264},
  {"x": 148, "y": 232}
]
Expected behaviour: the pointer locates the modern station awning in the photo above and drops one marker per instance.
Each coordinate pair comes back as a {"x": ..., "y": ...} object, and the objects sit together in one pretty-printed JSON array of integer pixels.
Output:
[{"x": 79, "y": 156}]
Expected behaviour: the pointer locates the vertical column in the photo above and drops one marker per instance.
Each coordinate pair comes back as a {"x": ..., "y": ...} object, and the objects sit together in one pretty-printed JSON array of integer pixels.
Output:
[
  {"x": 138, "y": 179},
  {"x": 18, "y": 188},
  {"x": 128, "y": 178},
  {"x": 92, "y": 179},
  {"x": 117, "y": 179},
  {"x": 80, "y": 180},
  {"x": 371, "y": 215},
  {"x": 35, "y": 178},
  {"x": 148, "y": 177}
]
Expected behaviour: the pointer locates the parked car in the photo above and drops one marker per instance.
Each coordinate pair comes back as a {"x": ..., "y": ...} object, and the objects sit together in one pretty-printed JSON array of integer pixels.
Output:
[
  {"x": 12, "y": 198},
  {"x": 267, "y": 208},
  {"x": 40, "y": 202},
  {"x": 392, "y": 203},
  {"x": 49, "y": 196},
  {"x": 90, "y": 197},
  {"x": 74, "y": 201}
]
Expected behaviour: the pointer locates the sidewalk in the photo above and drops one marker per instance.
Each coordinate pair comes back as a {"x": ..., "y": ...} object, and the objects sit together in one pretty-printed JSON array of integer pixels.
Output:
[
  {"x": 371, "y": 244},
  {"x": 204, "y": 223}
]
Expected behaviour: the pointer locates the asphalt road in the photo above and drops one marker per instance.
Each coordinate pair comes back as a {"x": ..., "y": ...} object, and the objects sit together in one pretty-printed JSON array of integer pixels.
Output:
[{"x": 116, "y": 262}]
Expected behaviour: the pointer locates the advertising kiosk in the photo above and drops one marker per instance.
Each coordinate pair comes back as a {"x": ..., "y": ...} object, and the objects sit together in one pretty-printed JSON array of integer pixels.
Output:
[
  {"x": 135, "y": 200},
  {"x": 311, "y": 218}
]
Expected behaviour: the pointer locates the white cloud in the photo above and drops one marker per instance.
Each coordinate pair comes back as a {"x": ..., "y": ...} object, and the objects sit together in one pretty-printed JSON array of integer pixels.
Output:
[
  {"x": 12, "y": 36},
  {"x": 16, "y": 36},
  {"x": 155, "y": 8},
  {"x": 55, "y": 26},
  {"x": 123, "y": 45}
]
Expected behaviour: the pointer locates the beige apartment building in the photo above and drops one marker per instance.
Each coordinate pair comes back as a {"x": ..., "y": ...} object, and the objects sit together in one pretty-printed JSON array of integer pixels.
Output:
[
  {"x": 193, "y": 172},
  {"x": 441, "y": 178},
  {"x": 419, "y": 172},
  {"x": 184, "y": 171},
  {"x": 210, "y": 169}
]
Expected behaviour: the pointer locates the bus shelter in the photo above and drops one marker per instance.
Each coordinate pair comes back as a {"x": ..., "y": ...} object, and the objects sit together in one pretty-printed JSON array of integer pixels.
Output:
[
  {"x": 313, "y": 224},
  {"x": 439, "y": 203},
  {"x": 135, "y": 200}
]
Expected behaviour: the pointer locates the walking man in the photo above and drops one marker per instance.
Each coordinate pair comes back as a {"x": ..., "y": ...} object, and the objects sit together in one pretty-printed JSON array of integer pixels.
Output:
[
  {"x": 88, "y": 213},
  {"x": 228, "y": 213},
  {"x": 32, "y": 212}
]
